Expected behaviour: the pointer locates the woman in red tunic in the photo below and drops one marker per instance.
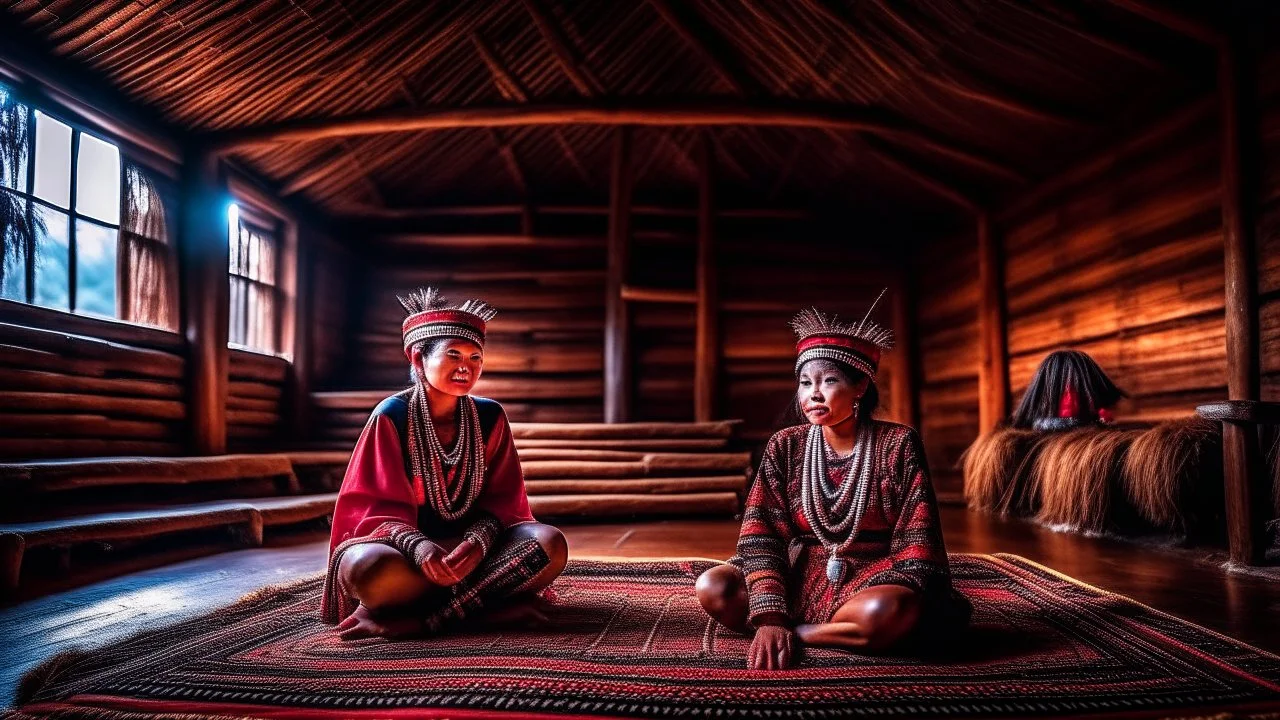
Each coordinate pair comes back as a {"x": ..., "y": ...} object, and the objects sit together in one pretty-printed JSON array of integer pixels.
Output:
[
  {"x": 432, "y": 525},
  {"x": 840, "y": 543}
]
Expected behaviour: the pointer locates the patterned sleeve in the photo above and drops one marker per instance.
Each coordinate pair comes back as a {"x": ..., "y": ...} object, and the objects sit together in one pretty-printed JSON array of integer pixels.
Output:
[
  {"x": 917, "y": 556},
  {"x": 766, "y": 533}
]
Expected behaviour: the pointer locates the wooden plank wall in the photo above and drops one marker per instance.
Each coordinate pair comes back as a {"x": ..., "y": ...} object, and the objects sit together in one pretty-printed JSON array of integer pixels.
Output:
[
  {"x": 1269, "y": 229},
  {"x": 946, "y": 277},
  {"x": 544, "y": 359},
  {"x": 1125, "y": 263},
  {"x": 544, "y": 349},
  {"x": 330, "y": 275},
  {"x": 91, "y": 388},
  {"x": 255, "y": 400}
]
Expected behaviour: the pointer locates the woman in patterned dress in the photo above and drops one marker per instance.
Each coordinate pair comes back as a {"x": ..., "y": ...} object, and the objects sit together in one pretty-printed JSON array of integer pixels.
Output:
[{"x": 840, "y": 544}]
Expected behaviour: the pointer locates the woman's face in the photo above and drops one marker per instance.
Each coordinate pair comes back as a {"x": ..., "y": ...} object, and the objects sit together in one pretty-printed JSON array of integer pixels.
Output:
[
  {"x": 826, "y": 395},
  {"x": 452, "y": 367}
]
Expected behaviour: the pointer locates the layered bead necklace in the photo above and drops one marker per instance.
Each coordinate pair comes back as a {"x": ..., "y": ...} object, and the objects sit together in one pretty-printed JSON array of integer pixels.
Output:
[
  {"x": 834, "y": 513},
  {"x": 449, "y": 481}
]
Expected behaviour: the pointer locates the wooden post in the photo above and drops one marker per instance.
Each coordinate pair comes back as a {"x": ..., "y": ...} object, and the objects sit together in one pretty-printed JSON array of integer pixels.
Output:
[
  {"x": 299, "y": 378},
  {"x": 1247, "y": 495},
  {"x": 617, "y": 325},
  {"x": 205, "y": 300},
  {"x": 707, "y": 342},
  {"x": 993, "y": 365},
  {"x": 902, "y": 390}
]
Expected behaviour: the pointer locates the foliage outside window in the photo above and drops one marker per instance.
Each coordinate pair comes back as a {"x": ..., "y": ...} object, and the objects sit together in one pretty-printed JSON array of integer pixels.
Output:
[
  {"x": 254, "y": 254},
  {"x": 83, "y": 229}
]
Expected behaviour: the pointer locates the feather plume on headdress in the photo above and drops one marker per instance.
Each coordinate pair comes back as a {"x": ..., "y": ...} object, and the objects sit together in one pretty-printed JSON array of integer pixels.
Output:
[
  {"x": 823, "y": 336},
  {"x": 431, "y": 315}
]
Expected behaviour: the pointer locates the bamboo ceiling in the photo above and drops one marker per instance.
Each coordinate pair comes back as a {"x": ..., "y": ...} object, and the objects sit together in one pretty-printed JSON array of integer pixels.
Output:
[{"x": 991, "y": 95}]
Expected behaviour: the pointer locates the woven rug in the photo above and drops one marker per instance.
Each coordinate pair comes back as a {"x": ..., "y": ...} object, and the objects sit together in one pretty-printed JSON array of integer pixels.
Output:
[{"x": 629, "y": 639}]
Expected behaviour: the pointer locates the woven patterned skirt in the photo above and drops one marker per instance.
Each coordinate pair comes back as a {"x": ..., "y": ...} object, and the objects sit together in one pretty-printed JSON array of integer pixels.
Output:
[{"x": 812, "y": 598}]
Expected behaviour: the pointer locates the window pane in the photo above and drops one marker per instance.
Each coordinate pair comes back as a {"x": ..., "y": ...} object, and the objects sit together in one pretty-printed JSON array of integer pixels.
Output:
[
  {"x": 52, "y": 259},
  {"x": 53, "y": 161},
  {"x": 14, "y": 136},
  {"x": 13, "y": 286},
  {"x": 98, "y": 180},
  {"x": 95, "y": 269}
]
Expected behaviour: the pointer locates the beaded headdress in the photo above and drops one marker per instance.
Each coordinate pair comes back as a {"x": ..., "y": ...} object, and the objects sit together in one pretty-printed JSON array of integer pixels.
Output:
[
  {"x": 856, "y": 344},
  {"x": 431, "y": 316}
]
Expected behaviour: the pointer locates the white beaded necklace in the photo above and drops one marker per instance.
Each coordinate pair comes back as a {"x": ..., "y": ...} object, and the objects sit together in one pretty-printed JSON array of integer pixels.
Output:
[
  {"x": 847, "y": 501},
  {"x": 433, "y": 467}
]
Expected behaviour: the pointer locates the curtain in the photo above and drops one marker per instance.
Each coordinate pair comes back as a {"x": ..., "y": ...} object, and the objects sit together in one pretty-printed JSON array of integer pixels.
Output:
[{"x": 147, "y": 264}]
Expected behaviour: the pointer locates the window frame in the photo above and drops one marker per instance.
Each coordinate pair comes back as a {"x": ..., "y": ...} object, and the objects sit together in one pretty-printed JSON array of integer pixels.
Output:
[
  {"x": 27, "y": 194},
  {"x": 272, "y": 230}
]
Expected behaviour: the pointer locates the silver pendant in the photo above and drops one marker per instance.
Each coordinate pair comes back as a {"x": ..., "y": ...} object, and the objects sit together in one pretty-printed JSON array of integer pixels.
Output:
[{"x": 835, "y": 570}]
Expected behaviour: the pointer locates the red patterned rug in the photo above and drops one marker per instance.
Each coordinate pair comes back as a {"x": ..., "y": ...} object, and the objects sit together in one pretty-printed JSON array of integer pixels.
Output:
[{"x": 629, "y": 639}]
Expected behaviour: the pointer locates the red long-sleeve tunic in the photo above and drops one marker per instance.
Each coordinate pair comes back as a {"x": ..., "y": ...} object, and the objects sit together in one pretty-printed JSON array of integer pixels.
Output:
[
  {"x": 377, "y": 493},
  {"x": 899, "y": 540}
]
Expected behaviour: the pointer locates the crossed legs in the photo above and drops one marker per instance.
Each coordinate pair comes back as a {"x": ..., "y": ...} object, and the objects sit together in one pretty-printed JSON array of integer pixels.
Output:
[
  {"x": 391, "y": 589},
  {"x": 874, "y": 620}
]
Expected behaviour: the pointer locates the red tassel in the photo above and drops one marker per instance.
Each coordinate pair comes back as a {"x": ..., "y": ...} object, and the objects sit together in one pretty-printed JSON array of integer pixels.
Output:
[
  {"x": 1068, "y": 407},
  {"x": 419, "y": 490}
]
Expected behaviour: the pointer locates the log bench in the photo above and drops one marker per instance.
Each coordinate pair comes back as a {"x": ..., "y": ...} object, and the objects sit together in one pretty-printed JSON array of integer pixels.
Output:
[
  {"x": 245, "y": 518},
  {"x": 58, "y": 475}
]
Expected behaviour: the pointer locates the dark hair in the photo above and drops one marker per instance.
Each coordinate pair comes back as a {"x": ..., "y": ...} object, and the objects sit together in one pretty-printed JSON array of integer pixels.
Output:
[
  {"x": 867, "y": 404},
  {"x": 1062, "y": 369}
]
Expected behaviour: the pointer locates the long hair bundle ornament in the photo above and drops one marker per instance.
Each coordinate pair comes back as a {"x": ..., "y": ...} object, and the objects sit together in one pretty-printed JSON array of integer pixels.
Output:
[
  {"x": 1078, "y": 478},
  {"x": 992, "y": 468},
  {"x": 1173, "y": 476}
]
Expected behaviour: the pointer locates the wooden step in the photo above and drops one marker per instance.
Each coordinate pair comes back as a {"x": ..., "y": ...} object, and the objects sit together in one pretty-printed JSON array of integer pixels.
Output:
[
  {"x": 651, "y": 465},
  {"x": 623, "y": 431},
  {"x": 531, "y": 454},
  {"x": 247, "y": 517},
  {"x": 604, "y": 505},
  {"x": 628, "y": 445},
  {"x": 55, "y": 475},
  {"x": 643, "y": 486},
  {"x": 317, "y": 458}
]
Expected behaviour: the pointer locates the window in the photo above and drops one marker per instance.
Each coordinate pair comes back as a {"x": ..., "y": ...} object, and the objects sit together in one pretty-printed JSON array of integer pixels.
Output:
[
  {"x": 254, "y": 250},
  {"x": 74, "y": 216}
]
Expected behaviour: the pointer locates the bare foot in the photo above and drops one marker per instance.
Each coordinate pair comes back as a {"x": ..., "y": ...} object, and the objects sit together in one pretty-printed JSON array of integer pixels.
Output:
[{"x": 393, "y": 626}]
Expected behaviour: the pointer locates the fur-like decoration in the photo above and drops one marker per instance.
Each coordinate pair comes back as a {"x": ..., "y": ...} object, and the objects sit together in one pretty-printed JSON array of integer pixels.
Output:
[
  {"x": 1077, "y": 478},
  {"x": 429, "y": 298},
  {"x": 991, "y": 469},
  {"x": 1173, "y": 476}
]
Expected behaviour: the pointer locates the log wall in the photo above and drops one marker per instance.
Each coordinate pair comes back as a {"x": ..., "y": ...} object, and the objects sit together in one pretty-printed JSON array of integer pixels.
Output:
[
  {"x": 1124, "y": 262},
  {"x": 544, "y": 358},
  {"x": 97, "y": 388},
  {"x": 946, "y": 270},
  {"x": 255, "y": 401}
]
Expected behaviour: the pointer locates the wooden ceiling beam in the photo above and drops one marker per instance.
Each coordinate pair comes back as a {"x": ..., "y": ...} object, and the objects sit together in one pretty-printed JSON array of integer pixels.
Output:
[
  {"x": 1174, "y": 20},
  {"x": 367, "y": 214},
  {"x": 652, "y": 114},
  {"x": 579, "y": 74}
]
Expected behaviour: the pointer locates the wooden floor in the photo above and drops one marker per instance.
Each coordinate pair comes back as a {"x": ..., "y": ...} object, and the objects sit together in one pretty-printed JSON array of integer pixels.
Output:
[{"x": 1244, "y": 606}]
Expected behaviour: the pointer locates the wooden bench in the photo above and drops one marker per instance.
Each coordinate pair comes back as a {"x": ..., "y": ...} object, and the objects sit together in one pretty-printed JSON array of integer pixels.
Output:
[
  {"x": 246, "y": 518},
  {"x": 623, "y": 505},
  {"x": 58, "y": 475}
]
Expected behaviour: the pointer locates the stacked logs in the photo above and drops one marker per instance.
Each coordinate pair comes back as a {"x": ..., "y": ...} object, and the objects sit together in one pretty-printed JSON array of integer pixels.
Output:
[
  {"x": 67, "y": 395},
  {"x": 255, "y": 397}
]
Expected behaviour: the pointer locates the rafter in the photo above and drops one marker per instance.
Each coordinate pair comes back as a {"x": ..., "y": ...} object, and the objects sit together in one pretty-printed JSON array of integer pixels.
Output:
[
  {"x": 696, "y": 38},
  {"x": 654, "y": 114},
  {"x": 512, "y": 89},
  {"x": 784, "y": 173},
  {"x": 933, "y": 184},
  {"x": 1175, "y": 21},
  {"x": 509, "y": 159},
  {"x": 579, "y": 74}
]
